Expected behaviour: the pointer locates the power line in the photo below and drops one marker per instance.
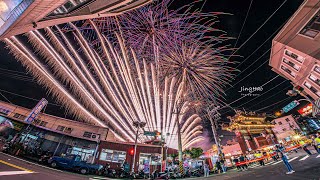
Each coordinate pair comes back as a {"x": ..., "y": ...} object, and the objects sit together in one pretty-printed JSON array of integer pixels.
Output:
[
  {"x": 280, "y": 48},
  {"x": 244, "y": 22},
  {"x": 259, "y": 27},
  {"x": 26, "y": 97}
]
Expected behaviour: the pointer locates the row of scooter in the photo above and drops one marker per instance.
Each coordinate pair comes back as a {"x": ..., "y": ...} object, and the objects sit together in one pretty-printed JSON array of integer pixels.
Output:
[{"x": 168, "y": 174}]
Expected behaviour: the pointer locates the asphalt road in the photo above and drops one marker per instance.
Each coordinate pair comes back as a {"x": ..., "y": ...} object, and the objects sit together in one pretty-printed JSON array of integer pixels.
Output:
[
  {"x": 306, "y": 167},
  {"x": 12, "y": 168}
]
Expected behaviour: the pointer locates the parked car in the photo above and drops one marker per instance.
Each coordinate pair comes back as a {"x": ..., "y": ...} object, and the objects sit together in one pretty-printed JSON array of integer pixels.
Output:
[{"x": 74, "y": 162}]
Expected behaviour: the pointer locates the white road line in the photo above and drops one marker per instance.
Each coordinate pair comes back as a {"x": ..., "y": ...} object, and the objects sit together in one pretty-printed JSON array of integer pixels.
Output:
[
  {"x": 318, "y": 156},
  {"x": 277, "y": 162},
  {"x": 31, "y": 162},
  {"x": 269, "y": 163},
  {"x": 8, "y": 173},
  {"x": 304, "y": 158},
  {"x": 292, "y": 159}
]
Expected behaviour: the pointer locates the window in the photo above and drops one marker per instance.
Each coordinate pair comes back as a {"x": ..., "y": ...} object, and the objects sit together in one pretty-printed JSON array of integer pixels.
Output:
[
  {"x": 312, "y": 89},
  {"x": 68, "y": 7},
  {"x": 4, "y": 111},
  {"x": 60, "y": 128},
  {"x": 294, "y": 56},
  {"x": 19, "y": 116},
  {"x": 287, "y": 119},
  {"x": 87, "y": 134},
  {"x": 36, "y": 121},
  {"x": 285, "y": 69},
  {"x": 314, "y": 79},
  {"x": 317, "y": 69},
  {"x": 68, "y": 130},
  {"x": 280, "y": 123},
  {"x": 312, "y": 29},
  {"x": 291, "y": 64},
  {"x": 112, "y": 156},
  {"x": 43, "y": 124}
]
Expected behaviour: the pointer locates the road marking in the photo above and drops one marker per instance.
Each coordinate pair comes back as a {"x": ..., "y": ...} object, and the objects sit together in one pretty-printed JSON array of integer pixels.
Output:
[
  {"x": 318, "y": 156},
  {"x": 15, "y": 166},
  {"x": 277, "y": 162},
  {"x": 8, "y": 173},
  {"x": 292, "y": 159},
  {"x": 31, "y": 162},
  {"x": 304, "y": 158}
]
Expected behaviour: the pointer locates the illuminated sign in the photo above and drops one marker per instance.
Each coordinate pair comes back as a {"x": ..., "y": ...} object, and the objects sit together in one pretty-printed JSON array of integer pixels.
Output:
[
  {"x": 290, "y": 106},
  {"x": 36, "y": 110},
  {"x": 306, "y": 110}
]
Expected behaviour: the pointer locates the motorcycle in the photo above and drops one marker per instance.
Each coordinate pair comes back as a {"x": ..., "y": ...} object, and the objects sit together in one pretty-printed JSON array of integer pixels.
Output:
[
  {"x": 196, "y": 173},
  {"x": 124, "y": 174},
  {"x": 107, "y": 171},
  {"x": 44, "y": 158}
]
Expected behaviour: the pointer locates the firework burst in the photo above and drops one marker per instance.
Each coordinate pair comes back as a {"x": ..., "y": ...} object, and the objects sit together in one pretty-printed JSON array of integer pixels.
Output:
[{"x": 109, "y": 86}]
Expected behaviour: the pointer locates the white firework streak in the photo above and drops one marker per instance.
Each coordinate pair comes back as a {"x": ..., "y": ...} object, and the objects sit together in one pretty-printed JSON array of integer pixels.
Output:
[{"x": 111, "y": 89}]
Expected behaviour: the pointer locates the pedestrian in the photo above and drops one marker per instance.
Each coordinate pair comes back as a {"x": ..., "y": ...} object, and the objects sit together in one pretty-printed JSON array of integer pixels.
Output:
[
  {"x": 242, "y": 160},
  {"x": 206, "y": 170},
  {"x": 305, "y": 148},
  {"x": 236, "y": 162},
  {"x": 261, "y": 159},
  {"x": 218, "y": 166},
  {"x": 317, "y": 142},
  {"x": 285, "y": 160},
  {"x": 222, "y": 161}
]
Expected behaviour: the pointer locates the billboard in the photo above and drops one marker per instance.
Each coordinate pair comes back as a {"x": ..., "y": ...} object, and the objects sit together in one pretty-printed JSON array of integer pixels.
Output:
[
  {"x": 306, "y": 110},
  {"x": 36, "y": 110}
]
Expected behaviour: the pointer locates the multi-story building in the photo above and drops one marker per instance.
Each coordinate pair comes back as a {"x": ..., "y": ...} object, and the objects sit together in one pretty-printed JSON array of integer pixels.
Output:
[
  {"x": 285, "y": 128},
  {"x": 295, "y": 52},
  {"x": 63, "y": 136},
  {"x": 20, "y": 16}
]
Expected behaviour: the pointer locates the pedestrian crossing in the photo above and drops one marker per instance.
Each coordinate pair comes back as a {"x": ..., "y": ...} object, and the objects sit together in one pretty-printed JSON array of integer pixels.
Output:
[{"x": 257, "y": 165}]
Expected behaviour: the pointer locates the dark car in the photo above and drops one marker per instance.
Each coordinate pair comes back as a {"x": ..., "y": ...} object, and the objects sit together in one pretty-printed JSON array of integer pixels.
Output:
[{"x": 74, "y": 162}]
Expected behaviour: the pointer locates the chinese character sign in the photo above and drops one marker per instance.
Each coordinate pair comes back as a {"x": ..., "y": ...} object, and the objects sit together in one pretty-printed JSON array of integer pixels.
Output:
[{"x": 36, "y": 110}]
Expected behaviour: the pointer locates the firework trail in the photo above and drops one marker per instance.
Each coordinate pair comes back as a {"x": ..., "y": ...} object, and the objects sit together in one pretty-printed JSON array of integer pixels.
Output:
[{"x": 109, "y": 86}]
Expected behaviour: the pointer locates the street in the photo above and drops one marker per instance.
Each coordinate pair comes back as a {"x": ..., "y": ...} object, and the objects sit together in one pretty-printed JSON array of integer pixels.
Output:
[
  {"x": 12, "y": 168},
  {"x": 306, "y": 167}
]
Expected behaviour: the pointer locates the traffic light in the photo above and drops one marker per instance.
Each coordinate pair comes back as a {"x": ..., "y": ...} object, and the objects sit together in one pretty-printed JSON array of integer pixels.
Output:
[{"x": 131, "y": 152}]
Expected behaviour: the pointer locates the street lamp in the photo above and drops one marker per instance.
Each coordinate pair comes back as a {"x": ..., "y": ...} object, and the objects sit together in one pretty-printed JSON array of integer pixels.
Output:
[
  {"x": 138, "y": 125},
  {"x": 295, "y": 92}
]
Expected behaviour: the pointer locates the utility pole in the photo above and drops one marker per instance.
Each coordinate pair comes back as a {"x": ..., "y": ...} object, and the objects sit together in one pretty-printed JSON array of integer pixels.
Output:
[
  {"x": 216, "y": 116},
  {"x": 138, "y": 125}
]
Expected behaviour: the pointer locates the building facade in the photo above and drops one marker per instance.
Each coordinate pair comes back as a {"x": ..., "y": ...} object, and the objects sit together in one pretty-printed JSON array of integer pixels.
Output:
[
  {"x": 285, "y": 128},
  {"x": 62, "y": 136},
  {"x": 20, "y": 16},
  {"x": 295, "y": 52}
]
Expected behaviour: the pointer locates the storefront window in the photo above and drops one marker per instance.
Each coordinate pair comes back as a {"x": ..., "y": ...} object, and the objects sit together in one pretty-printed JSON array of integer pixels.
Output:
[{"x": 112, "y": 156}]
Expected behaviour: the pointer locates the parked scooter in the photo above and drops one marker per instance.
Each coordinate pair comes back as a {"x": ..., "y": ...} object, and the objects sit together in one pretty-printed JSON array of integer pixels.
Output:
[
  {"x": 44, "y": 158},
  {"x": 107, "y": 171}
]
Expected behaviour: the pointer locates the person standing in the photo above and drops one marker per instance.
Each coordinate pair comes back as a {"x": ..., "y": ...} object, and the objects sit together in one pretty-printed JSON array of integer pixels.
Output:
[
  {"x": 285, "y": 161},
  {"x": 236, "y": 162},
  {"x": 317, "y": 142},
  {"x": 218, "y": 166},
  {"x": 305, "y": 148},
  {"x": 222, "y": 161},
  {"x": 206, "y": 170},
  {"x": 242, "y": 162}
]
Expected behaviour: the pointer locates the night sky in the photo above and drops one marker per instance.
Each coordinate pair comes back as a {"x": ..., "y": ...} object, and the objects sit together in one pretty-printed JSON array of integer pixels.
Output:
[{"x": 14, "y": 79}]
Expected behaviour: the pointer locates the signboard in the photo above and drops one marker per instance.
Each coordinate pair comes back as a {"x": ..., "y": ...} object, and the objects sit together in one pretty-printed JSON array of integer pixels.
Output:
[
  {"x": 306, "y": 110},
  {"x": 150, "y": 133},
  {"x": 36, "y": 110},
  {"x": 290, "y": 106}
]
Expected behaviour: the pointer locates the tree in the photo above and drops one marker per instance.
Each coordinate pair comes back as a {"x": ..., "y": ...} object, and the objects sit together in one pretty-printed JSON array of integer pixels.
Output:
[{"x": 194, "y": 152}]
